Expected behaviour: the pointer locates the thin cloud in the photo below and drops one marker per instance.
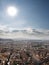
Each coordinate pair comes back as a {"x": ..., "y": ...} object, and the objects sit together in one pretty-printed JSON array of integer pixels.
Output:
[{"x": 9, "y": 32}]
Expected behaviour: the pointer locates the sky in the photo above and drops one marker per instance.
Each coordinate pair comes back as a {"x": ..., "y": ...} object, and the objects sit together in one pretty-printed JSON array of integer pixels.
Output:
[{"x": 31, "y": 22}]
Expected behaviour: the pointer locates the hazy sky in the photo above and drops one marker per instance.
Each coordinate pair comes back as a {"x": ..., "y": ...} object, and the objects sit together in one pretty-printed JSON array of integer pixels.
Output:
[{"x": 31, "y": 14}]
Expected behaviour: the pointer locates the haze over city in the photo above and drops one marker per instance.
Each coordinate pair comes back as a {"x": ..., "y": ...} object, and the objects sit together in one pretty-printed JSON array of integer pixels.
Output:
[{"x": 24, "y": 32}]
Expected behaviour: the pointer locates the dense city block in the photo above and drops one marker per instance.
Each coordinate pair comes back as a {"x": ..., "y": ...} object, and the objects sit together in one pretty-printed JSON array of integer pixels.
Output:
[{"x": 24, "y": 52}]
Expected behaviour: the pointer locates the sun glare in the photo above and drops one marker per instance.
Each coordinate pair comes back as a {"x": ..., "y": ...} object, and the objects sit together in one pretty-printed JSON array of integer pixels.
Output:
[{"x": 12, "y": 11}]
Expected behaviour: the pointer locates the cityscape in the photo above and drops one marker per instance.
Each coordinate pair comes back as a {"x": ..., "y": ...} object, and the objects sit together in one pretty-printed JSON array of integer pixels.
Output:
[
  {"x": 24, "y": 32},
  {"x": 24, "y": 52}
]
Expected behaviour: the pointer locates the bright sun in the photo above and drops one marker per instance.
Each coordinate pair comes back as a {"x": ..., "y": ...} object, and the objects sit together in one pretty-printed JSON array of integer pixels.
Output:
[{"x": 12, "y": 11}]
